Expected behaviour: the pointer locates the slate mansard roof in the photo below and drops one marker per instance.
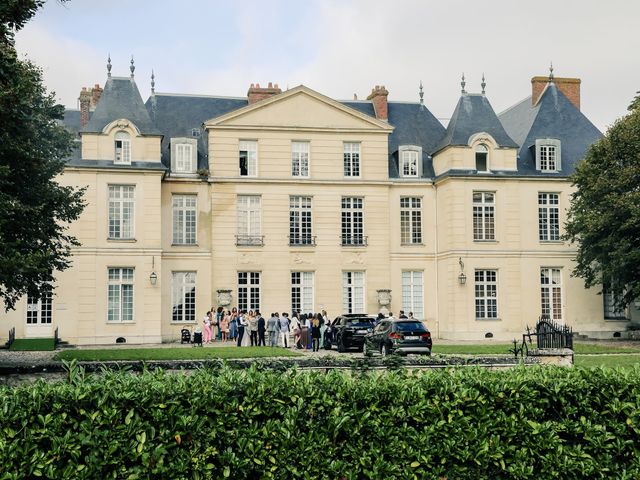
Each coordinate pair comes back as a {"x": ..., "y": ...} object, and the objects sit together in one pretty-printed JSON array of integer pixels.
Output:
[
  {"x": 179, "y": 115},
  {"x": 553, "y": 116}
]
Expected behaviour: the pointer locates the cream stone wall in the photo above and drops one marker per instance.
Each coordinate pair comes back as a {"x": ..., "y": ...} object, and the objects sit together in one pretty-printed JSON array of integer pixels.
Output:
[
  {"x": 464, "y": 158},
  {"x": 101, "y": 146}
]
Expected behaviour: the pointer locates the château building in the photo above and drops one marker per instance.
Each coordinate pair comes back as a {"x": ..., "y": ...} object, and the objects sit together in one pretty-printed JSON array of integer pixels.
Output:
[{"x": 290, "y": 200}]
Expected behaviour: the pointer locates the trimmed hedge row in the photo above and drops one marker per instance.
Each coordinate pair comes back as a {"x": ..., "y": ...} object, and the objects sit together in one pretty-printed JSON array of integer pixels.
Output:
[{"x": 533, "y": 422}]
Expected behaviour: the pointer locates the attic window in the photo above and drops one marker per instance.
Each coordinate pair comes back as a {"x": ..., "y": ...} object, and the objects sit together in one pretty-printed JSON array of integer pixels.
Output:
[
  {"x": 122, "y": 149},
  {"x": 548, "y": 155},
  {"x": 410, "y": 161},
  {"x": 482, "y": 156},
  {"x": 184, "y": 155},
  {"x": 195, "y": 132}
]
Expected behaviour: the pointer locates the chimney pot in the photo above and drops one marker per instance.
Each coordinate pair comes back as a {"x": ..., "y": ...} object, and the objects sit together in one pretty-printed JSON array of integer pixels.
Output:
[
  {"x": 379, "y": 99},
  {"x": 570, "y": 87},
  {"x": 257, "y": 93}
]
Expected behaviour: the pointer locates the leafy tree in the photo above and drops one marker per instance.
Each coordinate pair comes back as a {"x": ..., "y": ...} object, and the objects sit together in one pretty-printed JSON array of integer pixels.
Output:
[
  {"x": 34, "y": 208},
  {"x": 604, "y": 217}
]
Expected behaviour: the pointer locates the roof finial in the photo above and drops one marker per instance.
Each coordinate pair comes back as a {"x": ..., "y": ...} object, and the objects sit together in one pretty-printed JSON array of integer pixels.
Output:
[
  {"x": 132, "y": 67},
  {"x": 551, "y": 72},
  {"x": 483, "y": 84},
  {"x": 109, "y": 65},
  {"x": 462, "y": 84},
  {"x": 153, "y": 83},
  {"x": 421, "y": 94}
]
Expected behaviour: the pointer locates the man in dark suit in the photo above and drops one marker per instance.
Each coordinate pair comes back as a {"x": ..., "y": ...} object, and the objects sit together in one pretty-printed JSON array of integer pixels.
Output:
[{"x": 261, "y": 329}]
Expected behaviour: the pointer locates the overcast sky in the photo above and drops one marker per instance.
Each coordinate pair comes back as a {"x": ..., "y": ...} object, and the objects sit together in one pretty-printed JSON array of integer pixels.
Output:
[{"x": 342, "y": 48}]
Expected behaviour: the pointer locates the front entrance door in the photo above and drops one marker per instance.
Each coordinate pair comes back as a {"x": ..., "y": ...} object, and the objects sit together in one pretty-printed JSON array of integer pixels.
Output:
[{"x": 39, "y": 317}]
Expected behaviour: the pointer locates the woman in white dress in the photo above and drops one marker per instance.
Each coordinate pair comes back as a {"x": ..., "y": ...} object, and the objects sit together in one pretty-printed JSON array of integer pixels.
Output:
[{"x": 246, "y": 341}]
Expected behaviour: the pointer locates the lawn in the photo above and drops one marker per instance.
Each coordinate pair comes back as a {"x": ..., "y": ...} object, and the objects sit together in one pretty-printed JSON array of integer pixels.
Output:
[
  {"x": 493, "y": 349},
  {"x": 196, "y": 353},
  {"x": 626, "y": 361},
  {"x": 32, "y": 344}
]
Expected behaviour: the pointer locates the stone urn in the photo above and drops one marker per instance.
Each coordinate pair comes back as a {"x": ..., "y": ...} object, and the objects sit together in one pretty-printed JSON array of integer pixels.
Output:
[{"x": 224, "y": 298}]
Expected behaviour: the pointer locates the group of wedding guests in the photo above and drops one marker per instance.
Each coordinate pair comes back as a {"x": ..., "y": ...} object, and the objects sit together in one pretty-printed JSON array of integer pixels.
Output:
[{"x": 250, "y": 328}]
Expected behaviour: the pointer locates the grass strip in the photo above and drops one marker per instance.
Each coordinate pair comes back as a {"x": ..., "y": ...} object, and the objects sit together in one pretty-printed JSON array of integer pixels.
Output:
[{"x": 32, "y": 344}]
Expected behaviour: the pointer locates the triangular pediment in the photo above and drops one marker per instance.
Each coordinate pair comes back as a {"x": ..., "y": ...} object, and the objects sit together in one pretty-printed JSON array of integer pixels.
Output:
[{"x": 299, "y": 109}]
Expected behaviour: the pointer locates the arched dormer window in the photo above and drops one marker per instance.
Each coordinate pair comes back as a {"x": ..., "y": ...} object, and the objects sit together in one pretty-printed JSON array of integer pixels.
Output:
[
  {"x": 482, "y": 158},
  {"x": 410, "y": 161},
  {"x": 122, "y": 148}
]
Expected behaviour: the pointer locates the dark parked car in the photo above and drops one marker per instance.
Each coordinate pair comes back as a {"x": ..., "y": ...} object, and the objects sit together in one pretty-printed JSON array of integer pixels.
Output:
[
  {"x": 399, "y": 336},
  {"x": 349, "y": 330}
]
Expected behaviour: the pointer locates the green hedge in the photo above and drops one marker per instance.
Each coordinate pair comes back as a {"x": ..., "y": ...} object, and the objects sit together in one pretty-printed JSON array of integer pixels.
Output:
[{"x": 542, "y": 423}]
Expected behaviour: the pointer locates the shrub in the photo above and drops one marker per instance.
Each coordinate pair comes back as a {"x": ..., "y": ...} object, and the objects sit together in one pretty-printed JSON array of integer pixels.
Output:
[{"x": 533, "y": 422}]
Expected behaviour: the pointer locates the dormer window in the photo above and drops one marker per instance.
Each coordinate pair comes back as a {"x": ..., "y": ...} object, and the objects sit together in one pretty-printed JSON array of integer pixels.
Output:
[
  {"x": 122, "y": 149},
  {"x": 482, "y": 158},
  {"x": 184, "y": 155},
  {"x": 548, "y": 155},
  {"x": 410, "y": 161}
]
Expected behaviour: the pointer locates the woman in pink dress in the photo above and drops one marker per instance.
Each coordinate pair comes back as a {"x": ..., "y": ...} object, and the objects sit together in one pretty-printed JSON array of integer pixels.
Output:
[
  {"x": 207, "y": 328},
  {"x": 224, "y": 326}
]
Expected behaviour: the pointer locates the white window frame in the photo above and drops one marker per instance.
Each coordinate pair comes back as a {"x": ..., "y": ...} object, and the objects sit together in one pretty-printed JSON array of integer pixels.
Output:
[
  {"x": 481, "y": 148},
  {"x": 545, "y": 148},
  {"x": 122, "y": 148},
  {"x": 548, "y": 216},
  {"x": 300, "y": 159},
  {"x": 551, "y": 300},
  {"x": 484, "y": 216},
  {"x": 250, "y": 150},
  {"x": 300, "y": 220},
  {"x": 609, "y": 305},
  {"x": 249, "y": 217},
  {"x": 411, "y": 221},
  {"x": 39, "y": 311},
  {"x": 249, "y": 290},
  {"x": 185, "y": 162},
  {"x": 117, "y": 279},
  {"x": 413, "y": 292},
  {"x": 486, "y": 294},
  {"x": 121, "y": 202},
  {"x": 352, "y": 221},
  {"x": 354, "y": 299},
  {"x": 410, "y": 161},
  {"x": 183, "y": 294},
  {"x": 302, "y": 291},
  {"x": 352, "y": 165},
  {"x": 184, "y": 209}
]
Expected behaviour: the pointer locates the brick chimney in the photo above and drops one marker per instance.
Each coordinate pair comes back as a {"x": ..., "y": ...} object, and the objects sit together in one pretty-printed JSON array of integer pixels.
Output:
[
  {"x": 257, "y": 93},
  {"x": 378, "y": 97},
  {"x": 85, "y": 105},
  {"x": 570, "y": 87},
  {"x": 96, "y": 93}
]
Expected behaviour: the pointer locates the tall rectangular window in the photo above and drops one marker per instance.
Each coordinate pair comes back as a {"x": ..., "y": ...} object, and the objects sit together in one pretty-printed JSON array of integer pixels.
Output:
[
  {"x": 551, "y": 293},
  {"x": 409, "y": 163},
  {"x": 302, "y": 292},
  {"x": 413, "y": 293},
  {"x": 183, "y": 297},
  {"x": 548, "y": 158},
  {"x": 353, "y": 292},
  {"x": 122, "y": 148},
  {"x": 548, "y": 216},
  {"x": 410, "y": 220},
  {"x": 351, "y": 159},
  {"x": 613, "y": 310},
  {"x": 120, "y": 295},
  {"x": 484, "y": 208},
  {"x": 486, "y": 289},
  {"x": 248, "y": 157},
  {"x": 121, "y": 211},
  {"x": 39, "y": 309},
  {"x": 300, "y": 221},
  {"x": 353, "y": 221},
  {"x": 300, "y": 159},
  {"x": 184, "y": 219},
  {"x": 249, "y": 220},
  {"x": 249, "y": 290},
  {"x": 184, "y": 158}
]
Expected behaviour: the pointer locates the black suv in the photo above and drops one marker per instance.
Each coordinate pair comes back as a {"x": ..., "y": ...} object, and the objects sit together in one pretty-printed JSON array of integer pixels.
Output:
[
  {"x": 349, "y": 330},
  {"x": 399, "y": 336}
]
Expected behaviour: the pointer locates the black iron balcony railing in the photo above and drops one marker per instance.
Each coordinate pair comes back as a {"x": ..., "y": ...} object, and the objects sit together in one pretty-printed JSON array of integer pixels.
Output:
[
  {"x": 353, "y": 240},
  {"x": 302, "y": 240},
  {"x": 249, "y": 240}
]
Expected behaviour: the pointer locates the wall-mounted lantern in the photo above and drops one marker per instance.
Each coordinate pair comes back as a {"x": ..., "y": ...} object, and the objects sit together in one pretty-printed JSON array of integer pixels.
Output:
[{"x": 462, "y": 278}]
